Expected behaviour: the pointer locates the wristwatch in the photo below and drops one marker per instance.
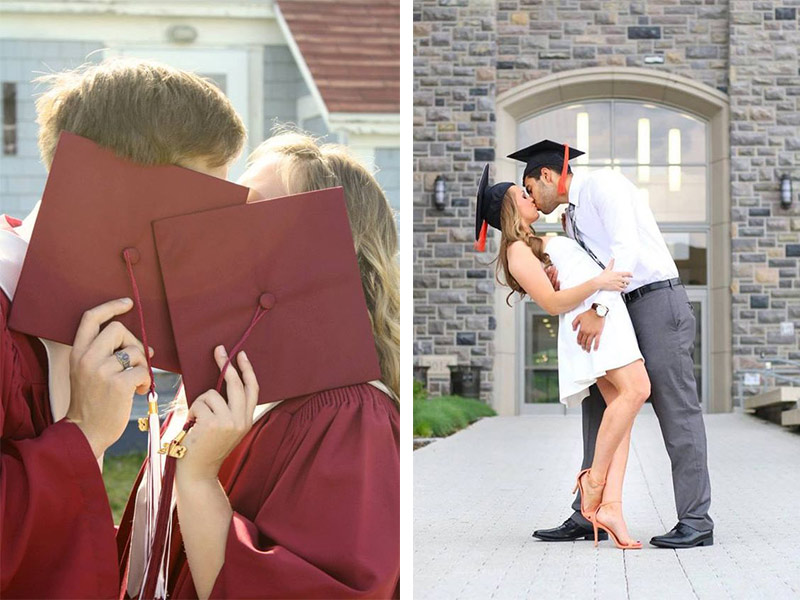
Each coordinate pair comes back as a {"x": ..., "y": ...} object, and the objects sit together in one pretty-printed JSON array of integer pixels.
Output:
[{"x": 600, "y": 309}]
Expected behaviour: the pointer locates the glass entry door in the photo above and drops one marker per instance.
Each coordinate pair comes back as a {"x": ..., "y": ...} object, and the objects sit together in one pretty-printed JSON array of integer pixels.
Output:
[
  {"x": 699, "y": 301},
  {"x": 539, "y": 357}
]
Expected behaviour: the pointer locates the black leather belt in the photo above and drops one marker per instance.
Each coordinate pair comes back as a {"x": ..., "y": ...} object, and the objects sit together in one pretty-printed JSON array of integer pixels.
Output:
[{"x": 657, "y": 285}]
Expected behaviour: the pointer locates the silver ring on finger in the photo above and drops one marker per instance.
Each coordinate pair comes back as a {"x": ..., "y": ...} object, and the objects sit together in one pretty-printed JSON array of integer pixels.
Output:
[{"x": 124, "y": 359}]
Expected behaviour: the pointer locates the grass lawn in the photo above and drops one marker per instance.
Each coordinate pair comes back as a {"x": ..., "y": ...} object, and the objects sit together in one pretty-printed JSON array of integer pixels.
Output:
[
  {"x": 119, "y": 473},
  {"x": 442, "y": 416}
]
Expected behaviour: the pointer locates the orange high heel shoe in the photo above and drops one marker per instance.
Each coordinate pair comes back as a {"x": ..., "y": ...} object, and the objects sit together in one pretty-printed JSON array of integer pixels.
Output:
[
  {"x": 597, "y": 524},
  {"x": 589, "y": 516}
]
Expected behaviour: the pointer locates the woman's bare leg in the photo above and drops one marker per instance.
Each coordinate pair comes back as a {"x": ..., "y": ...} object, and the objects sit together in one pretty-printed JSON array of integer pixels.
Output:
[
  {"x": 624, "y": 390},
  {"x": 612, "y": 515}
]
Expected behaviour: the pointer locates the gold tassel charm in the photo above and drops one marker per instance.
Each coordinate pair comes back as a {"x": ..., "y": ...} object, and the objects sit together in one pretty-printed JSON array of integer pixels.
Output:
[
  {"x": 174, "y": 448},
  {"x": 152, "y": 409}
]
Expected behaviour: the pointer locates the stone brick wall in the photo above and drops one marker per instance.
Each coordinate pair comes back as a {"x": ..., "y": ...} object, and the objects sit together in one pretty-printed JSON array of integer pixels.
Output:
[
  {"x": 22, "y": 176},
  {"x": 454, "y": 91},
  {"x": 537, "y": 38},
  {"x": 765, "y": 145},
  {"x": 466, "y": 53}
]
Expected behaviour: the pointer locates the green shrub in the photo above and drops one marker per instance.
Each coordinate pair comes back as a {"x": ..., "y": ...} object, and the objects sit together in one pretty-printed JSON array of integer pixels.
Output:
[
  {"x": 442, "y": 416},
  {"x": 420, "y": 393},
  {"x": 119, "y": 475}
]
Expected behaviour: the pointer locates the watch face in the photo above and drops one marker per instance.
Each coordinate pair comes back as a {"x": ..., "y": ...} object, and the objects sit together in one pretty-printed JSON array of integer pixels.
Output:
[{"x": 602, "y": 311}]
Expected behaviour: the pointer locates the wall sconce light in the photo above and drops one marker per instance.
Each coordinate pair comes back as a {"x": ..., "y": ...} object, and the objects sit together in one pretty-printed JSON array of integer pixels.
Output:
[
  {"x": 439, "y": 193},
  {"x": 786, "y": 191}
]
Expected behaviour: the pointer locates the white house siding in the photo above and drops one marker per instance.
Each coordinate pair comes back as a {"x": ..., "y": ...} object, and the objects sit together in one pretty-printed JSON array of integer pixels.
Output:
[
  {"x": 22, "y": 177},
  {"x": 283, "y": 85},
  {"x": 387, "y": 162}
]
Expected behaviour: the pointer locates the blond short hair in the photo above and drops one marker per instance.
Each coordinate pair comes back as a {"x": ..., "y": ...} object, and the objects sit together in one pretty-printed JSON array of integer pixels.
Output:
[
  {"x": 144, "y": 111},
  {"x": 306, "y": 166}
]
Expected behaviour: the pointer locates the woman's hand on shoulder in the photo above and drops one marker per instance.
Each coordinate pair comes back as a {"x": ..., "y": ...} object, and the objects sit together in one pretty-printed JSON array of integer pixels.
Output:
[
  {"x": 219, "y": 425},
  {"x": 613, "y": 281}
]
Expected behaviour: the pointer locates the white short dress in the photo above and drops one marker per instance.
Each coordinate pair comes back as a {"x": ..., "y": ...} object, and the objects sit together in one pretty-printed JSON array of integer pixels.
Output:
[{"x": 577, "y": 370}]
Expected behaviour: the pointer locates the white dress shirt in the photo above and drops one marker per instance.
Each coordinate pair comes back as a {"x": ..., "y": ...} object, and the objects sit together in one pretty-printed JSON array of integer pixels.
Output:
[{"x": 613, "y": 222}]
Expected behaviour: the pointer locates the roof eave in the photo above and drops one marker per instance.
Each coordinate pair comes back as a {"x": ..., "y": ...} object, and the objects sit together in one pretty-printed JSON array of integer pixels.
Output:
[{"x": 365, "y": 123}]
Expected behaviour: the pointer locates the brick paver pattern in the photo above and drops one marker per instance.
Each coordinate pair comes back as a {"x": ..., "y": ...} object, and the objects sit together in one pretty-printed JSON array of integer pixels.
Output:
[{"x": 479, "y": 494}]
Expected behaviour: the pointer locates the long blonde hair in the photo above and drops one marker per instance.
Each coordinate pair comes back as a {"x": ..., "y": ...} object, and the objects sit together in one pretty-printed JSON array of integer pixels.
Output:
[
  {"x": 513, "y": 230},
  {"x": 306, "y": 166}
]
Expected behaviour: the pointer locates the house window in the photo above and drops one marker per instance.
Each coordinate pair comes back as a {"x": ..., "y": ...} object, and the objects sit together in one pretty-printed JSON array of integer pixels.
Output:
[{"x": 9, "y": 119}]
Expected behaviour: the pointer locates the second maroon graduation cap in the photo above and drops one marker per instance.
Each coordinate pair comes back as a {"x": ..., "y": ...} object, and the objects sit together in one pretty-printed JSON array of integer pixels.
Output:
[{"x": 281, "y": 273}]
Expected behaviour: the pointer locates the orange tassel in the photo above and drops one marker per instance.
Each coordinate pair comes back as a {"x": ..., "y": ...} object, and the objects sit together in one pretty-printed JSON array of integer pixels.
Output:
[
  {"x": 562, "y": 183},
  {"x": 480, "y": 245}
]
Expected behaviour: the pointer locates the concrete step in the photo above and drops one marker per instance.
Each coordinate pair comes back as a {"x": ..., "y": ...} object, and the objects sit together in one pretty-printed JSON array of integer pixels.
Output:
[
  {"x": 771, "y": 404},
  {"x": 784, "y": 397},
  {"x": 790, "y": 418}
]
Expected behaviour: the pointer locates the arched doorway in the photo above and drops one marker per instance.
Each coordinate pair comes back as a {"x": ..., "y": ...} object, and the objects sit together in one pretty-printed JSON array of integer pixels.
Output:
[{"x": 669, "y": 135}]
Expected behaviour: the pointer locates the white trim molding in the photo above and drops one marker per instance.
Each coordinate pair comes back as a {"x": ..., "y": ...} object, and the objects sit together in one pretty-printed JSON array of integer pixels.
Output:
[
  {"x": 387, "y": 124},
  {"x": 134, "y": 29},
  {"x": 229, "y": 9}
]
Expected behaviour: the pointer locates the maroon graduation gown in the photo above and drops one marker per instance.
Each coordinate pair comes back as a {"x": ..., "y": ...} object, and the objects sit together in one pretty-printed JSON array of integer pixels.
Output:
[
  {"x": 56, "y": 528},
  {"x": 315, "y": 492}
]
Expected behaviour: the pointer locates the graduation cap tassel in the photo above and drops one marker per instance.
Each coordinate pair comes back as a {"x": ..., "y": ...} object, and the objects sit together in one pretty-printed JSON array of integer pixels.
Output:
[
  {"x": 154, "y": 582},
  {"x": 132, "y": 257},
  {"x": 562, "y": 182},
  {"x": 150, "y": 423},
  {"x": 480, "y": 245},
  {"x": 260, "y": 312}
]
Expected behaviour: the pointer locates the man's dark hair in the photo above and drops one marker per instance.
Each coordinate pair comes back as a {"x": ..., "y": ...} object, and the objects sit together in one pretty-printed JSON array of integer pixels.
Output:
[{"x": 537, "y": 172}]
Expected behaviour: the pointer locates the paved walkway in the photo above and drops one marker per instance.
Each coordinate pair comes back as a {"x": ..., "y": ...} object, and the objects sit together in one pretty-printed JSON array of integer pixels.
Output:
[{"x": 479, "y": 494}]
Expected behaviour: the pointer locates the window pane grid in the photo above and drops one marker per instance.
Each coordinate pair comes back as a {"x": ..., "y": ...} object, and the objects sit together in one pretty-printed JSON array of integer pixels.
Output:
[{"x": 665, "y": 148}]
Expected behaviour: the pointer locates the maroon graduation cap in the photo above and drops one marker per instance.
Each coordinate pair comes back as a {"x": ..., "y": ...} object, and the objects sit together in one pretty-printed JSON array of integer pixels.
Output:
[
  {"x": 281, "y": 277},
  {"x": 276, "y": 278},
  {"x": 95, "y": 206}
]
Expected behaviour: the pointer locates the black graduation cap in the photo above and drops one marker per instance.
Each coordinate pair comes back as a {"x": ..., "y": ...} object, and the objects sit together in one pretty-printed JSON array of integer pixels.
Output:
[
  {"x": 547, "y": 153},
  {"x": 490, "y": 200}
]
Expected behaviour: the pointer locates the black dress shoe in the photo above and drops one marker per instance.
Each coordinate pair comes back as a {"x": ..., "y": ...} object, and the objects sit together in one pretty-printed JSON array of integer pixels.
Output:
[
  {"x": 568, "y": 531},
  {"x": 683, "y": 536}
]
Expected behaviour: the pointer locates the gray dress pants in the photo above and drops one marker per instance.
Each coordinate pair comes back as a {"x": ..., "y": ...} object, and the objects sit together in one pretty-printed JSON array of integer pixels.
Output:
[{"x": 665, "y": 327}]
